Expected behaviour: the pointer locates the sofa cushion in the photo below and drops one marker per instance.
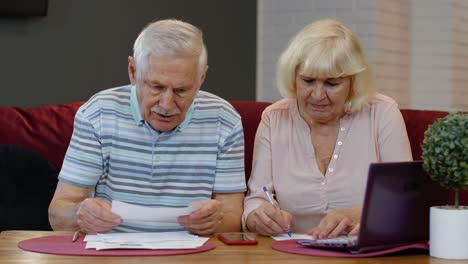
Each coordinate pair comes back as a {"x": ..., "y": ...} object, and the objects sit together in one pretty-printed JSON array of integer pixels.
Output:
[
  {"x": 45, "y": 130},
  {"x": 251, "y": 113},
  {"x": 416, "y": 122},
  {"x": 28, "y": 184}
]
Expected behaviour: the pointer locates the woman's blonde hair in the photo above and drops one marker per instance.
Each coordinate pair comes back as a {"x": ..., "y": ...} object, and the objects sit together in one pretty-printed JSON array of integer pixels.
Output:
[{"x": 327, "y": 49}]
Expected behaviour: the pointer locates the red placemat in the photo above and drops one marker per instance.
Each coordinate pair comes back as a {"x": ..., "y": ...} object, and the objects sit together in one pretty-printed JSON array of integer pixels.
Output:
[
  {"x": 62, "y": 245},
  {"x": 291, "y": 246}
]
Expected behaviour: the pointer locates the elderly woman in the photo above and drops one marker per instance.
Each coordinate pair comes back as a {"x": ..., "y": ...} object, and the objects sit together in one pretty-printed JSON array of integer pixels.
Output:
[{"x": 313, "y": 148}]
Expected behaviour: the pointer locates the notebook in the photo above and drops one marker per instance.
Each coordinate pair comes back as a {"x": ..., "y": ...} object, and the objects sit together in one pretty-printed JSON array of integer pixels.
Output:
[{"x": 395, "y": 212}]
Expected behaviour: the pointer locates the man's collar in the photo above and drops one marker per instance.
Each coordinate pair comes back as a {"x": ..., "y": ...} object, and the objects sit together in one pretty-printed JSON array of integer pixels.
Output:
[
  {"x": 136, "y": 113},
  {"x": 135, "y": 107},
  {"x": 188, "y": 117}
]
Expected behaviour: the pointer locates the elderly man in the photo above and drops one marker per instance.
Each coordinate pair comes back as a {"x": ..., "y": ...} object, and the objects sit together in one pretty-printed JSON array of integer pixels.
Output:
[{"x": 159, "y": 142}]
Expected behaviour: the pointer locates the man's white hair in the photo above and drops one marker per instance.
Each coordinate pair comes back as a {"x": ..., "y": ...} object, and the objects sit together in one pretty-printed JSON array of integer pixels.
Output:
[{"x": 168, "y": 37}]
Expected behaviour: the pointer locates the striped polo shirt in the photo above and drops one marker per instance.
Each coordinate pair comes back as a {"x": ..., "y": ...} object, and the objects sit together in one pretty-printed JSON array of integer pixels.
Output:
[{"x": 118, "y": 154}]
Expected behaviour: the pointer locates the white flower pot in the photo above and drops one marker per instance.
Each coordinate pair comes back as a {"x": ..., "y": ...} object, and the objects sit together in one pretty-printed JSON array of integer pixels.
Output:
[{"x": 449, "y": 232}]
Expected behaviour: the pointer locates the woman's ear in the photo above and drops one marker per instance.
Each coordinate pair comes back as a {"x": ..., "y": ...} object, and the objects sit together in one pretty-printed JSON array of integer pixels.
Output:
[{"x": 349, "y": 102}]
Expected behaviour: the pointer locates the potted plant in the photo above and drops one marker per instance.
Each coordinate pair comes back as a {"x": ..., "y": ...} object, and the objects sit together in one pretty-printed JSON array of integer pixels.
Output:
[{"x": 445, "y": 159}]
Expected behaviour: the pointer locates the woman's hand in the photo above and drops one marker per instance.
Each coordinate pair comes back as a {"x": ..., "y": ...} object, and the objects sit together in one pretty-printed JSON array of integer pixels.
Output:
[
  {"x": 337, "y": 222},
  {"x": 267, "y": 220}
]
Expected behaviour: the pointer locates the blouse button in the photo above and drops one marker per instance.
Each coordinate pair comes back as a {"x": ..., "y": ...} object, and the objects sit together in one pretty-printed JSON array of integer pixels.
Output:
[
  {"x": 340, "y": 143},
  {"x": 342, "y": 129},
  {"x": 330, "y": 169},
  {"x": 335, "y": 156}
]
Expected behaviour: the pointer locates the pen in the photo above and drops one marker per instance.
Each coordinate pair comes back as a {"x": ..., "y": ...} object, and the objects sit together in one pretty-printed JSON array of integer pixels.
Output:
[
  {"x": 76, "y": 235},
  {"x": 265, "y": 189}
]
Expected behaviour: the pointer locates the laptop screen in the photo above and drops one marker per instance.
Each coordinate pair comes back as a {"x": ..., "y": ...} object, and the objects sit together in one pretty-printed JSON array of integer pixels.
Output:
[
  {"x": 396, "y": 208},
  {"x": 397, "y": 203}
]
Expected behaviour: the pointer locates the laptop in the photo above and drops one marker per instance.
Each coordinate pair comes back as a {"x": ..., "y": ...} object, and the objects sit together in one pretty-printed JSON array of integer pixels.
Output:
[{"x": 395, "y": 211}]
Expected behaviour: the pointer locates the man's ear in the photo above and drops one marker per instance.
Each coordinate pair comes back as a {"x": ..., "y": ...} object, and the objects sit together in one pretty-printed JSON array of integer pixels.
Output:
[
  {"x": 203, "y": 75},
  {"x": 131, "y": 70}
]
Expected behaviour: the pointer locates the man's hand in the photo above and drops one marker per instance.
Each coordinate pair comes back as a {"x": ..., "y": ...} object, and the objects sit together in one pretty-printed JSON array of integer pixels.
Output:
[
  {"x": 95, "y": 216},
  {"x": 205, "y": 220},
  {"x": 268, "y": 221},
  {"x": 337, "y": 222},
  {"x": 71, "y": 209}
]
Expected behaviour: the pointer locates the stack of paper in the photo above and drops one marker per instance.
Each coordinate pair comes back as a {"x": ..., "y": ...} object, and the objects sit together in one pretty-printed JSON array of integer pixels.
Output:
[{"x": 151, "y": 240}]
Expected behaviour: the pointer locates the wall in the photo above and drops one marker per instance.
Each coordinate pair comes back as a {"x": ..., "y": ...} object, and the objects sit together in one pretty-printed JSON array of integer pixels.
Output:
[
  {"x": 418, "y": 48},
  {"x": 81, "y": 47},
  {"x": 440, "y": 60}
]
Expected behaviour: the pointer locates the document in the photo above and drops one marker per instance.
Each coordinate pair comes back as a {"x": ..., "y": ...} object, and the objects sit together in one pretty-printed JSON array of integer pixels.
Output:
[
  {"x": 145, "y": 240},
  {"x": 160, "y": 215}
]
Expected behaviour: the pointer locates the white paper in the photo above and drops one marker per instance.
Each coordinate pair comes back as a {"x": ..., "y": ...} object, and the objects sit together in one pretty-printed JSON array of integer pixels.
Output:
[
  {"x": 293, "y": 236},
  {"x": 163, "y": 215},
  {"x": 145, "y": 240}
]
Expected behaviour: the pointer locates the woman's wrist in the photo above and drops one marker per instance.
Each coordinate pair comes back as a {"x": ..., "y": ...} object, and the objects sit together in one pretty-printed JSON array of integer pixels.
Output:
[{"x": 250, "y": 223}]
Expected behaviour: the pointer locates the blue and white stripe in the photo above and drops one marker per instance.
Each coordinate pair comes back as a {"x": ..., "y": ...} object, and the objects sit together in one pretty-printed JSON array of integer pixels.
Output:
[{"x": 118, "y": 154}]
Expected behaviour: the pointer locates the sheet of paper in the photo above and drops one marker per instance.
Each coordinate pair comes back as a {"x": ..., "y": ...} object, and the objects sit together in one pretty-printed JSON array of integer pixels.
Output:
[
  {"x": 293, "y": 236},
  {"x": 137, "y": 213},
  {"x": 144, "y": 240}
]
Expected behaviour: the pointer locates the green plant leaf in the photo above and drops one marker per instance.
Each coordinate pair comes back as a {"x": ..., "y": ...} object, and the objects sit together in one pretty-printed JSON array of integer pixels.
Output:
[{"x": 445, "y": 151}]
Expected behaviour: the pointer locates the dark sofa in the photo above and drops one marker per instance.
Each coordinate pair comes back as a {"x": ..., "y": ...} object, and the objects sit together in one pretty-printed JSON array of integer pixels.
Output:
[{"x": 34, "y": 141}]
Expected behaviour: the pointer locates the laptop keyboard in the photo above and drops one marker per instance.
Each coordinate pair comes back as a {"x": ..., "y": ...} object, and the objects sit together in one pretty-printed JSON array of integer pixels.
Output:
[{"x": 342, "y": 241}]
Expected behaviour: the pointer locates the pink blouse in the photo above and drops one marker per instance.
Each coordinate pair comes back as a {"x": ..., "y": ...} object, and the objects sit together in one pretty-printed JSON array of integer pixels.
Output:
[{"x": 284, "y": 159}]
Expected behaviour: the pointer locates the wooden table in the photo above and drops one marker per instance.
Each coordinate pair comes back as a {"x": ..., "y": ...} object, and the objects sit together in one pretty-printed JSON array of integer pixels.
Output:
[{"x": 261, "y": 253}]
